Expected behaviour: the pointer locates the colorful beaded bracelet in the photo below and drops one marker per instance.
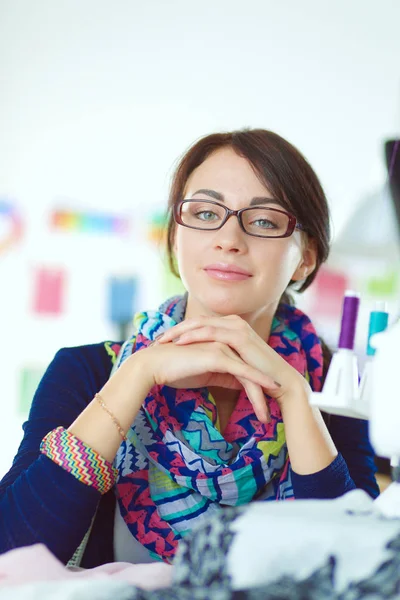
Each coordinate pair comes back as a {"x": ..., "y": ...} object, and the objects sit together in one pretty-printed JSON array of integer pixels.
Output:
[{"x": 79, "y": 459}]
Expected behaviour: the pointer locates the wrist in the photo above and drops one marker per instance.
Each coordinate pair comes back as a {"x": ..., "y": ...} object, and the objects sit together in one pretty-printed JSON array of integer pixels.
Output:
[
  {"x": 308, "y": 440},
  {"x": 131, "y": 381},
  {"x": 141, "y": 368},
  {"x": 296, "y": 396}
]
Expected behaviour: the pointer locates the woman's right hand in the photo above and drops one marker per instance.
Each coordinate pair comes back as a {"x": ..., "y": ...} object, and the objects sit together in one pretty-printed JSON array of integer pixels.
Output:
[{"x": 205, "y": 364}]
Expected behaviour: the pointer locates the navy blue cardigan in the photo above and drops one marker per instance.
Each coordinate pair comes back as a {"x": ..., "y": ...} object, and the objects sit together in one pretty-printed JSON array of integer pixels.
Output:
[{"x": 41, "y": 502}]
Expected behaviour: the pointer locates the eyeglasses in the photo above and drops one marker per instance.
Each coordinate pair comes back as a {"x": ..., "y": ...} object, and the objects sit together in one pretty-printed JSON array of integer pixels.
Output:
[{"x": 259, "y": 221}]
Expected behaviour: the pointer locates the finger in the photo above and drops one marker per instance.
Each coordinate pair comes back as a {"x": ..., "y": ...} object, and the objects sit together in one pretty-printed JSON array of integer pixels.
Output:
[
  {"x": 235, "y": 355},
  {"x": 209, "y": 333},
  {"x": 233, "y": 340},
  {"x": 256, "y": 396},
  {"x": 221, "y": 380},
  {"x": 231, "y": 322},
  {"x": 177, "y": 330},
  {"x": 219, "y": 362}
]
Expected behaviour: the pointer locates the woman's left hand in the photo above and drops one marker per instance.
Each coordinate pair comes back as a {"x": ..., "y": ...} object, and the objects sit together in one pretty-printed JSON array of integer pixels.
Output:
[{"x": 237, "y": 333}]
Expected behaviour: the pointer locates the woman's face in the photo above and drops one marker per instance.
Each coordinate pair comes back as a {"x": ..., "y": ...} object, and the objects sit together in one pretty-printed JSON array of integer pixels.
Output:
[{"x": 268, "y": 264}]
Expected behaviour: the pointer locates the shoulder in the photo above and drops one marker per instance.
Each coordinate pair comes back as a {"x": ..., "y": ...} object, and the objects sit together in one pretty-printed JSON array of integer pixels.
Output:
[
  {"x": 79, "y": 370},
  {"x": 99, "y": 355}
]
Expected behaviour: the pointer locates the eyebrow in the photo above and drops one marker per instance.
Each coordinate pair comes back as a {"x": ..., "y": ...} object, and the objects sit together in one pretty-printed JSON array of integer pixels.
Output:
[{"x": 254, "y": 201}]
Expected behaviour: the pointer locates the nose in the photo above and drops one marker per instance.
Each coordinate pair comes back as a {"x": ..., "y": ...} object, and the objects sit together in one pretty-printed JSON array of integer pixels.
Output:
[{"x": 230, "y": 237}]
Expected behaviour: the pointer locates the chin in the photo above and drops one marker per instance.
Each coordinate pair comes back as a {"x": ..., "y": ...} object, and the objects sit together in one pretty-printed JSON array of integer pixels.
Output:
[
  {"x": 215, "y": 298},
  {"x": 226, "y": 303}
]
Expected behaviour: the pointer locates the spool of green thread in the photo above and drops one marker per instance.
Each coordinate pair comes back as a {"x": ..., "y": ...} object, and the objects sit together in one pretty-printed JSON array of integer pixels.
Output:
[{"x": 378, "y": 321}]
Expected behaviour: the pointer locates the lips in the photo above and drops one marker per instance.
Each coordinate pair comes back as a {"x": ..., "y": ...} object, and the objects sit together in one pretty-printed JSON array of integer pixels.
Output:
[
  {"x": 226, "y": 268},
  {"x": 227, "y": 272}
]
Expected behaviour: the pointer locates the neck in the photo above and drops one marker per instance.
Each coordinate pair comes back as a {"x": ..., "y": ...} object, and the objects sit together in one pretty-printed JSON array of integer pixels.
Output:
[{"x": 260, "y": 321}]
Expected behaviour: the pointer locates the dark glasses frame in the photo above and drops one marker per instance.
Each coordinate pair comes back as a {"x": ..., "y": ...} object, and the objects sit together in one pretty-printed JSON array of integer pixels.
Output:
[{"x": 292, "y": 222}]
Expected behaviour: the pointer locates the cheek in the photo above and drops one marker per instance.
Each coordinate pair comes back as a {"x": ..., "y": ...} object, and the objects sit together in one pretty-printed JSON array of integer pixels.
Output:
[
  {"x": 188, "y": 251},
  {"x": 178, "y": 243},
  {"x": 283, "y": 259},
  {"x": 186, "y": 246}
]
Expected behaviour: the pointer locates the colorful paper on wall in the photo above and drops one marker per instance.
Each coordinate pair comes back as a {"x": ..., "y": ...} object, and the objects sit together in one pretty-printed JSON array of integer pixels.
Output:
[
  {"x": 28, "y": 382},
  {"x": 121, "y": 299},
  {"x": 385, "y": 286},
  {"x": 11, "y": 227},
  {"x": 49, "y": 291},
  {"x": 157, "y": 228},
  {"x": 328, "y": 291},
  {"x": 90, "y": 222}
]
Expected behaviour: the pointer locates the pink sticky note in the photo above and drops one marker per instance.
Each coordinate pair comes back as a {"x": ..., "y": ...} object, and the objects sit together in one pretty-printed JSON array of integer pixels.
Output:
[
  {"x": 329, "y": 288},
  {"x": 49, "y": 287}
]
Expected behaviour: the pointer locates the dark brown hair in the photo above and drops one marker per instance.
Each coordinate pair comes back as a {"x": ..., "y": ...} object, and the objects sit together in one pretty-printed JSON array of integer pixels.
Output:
[{"x": 279, "y": 166}]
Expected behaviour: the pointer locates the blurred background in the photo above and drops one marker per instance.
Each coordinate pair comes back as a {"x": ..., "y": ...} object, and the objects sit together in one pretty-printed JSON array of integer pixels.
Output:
[{"x": 98, "y": 100}]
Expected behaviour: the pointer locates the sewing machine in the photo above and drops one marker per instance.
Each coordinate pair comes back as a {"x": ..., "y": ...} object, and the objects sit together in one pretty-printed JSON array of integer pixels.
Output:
[{"x": 374, "y": 395}]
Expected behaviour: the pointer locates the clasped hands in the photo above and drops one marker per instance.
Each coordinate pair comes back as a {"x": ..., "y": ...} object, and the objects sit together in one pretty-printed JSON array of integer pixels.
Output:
[{"x": 224, "y": 352}]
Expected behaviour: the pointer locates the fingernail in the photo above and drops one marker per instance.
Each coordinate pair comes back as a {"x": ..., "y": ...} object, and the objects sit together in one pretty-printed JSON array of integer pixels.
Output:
[
  {"x": 156, "y": 339},
  {"x": 277, "y": 384}
]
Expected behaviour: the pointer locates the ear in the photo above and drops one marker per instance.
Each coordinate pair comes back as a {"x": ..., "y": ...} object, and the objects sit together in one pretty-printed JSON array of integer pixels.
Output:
[{"x": 308, "y": 260}]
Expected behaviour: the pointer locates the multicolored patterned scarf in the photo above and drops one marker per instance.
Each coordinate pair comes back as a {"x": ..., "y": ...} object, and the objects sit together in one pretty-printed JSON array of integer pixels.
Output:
[{"x": 176, "y": 468}]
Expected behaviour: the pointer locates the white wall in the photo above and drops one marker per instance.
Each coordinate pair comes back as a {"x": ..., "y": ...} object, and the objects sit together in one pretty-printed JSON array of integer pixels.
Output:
[{"x": 98, "y": 99}]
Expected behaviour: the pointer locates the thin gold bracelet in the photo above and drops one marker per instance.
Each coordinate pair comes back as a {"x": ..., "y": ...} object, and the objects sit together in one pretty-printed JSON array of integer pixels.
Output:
[{"x": 111, "y": 415}]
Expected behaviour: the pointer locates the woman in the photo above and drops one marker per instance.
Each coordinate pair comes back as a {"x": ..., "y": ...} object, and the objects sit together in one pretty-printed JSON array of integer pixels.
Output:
[{"x": 207, "y": 405}]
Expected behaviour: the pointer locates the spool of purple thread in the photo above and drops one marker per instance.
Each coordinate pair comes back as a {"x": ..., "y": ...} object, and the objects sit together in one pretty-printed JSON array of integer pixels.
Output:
[{"x": 351, "y": 303}]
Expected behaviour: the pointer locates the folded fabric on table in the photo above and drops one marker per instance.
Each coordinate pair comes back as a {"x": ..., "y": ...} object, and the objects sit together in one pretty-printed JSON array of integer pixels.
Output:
[
  {"x": 342, "y": 548},
  {"x": 37, "y": 563},
  {"x": 81, "y": 589}
]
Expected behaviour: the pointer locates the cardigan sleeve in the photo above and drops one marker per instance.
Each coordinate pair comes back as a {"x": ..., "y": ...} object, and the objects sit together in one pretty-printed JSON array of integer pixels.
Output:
[
  {"x": 351, "y": 437},
  {"x": 39, "y": 500},
  {"x": 354, "y": 467}
]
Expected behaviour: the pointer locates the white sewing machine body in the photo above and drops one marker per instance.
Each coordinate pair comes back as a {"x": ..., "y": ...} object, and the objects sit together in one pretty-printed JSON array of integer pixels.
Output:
[
  {"x": 385, "y": 398},
  {"x": 379, "y": 403}
]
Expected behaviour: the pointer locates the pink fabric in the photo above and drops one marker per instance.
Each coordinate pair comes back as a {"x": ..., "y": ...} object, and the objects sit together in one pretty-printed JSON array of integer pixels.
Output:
[{"x": 36, "y": 563}]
